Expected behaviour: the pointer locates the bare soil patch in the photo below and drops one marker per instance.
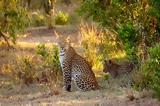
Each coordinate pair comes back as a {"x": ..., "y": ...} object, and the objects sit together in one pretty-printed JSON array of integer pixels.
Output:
[{"x": 43, "y": 34}]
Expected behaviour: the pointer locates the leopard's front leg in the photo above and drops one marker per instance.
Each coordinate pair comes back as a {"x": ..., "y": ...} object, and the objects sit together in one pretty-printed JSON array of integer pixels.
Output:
[{"x": 66, "y": 76}]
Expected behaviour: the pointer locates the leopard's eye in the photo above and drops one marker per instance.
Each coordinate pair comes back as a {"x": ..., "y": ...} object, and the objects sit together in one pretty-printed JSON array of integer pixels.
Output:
[{"x": 63, "y": 49}]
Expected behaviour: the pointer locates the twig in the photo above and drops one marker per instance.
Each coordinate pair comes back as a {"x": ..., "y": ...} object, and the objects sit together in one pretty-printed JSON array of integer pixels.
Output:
[{"x": 5, "y": 38}]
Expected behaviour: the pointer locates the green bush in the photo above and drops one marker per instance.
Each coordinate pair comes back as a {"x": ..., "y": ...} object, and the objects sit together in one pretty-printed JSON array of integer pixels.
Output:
[
  {"x": 127, "y": 34},
  {"x": 150, "y": 71},
  {"x": 61, "y": 18},
  {"x": 37, "y": 19},
  {"x": 50, "y": 63},
  {"x": 13, "y": 19},
  {"x": 131, "y": 20},
  {"x": 41, "y": 50},
  {"x": 51, "y": 56}
]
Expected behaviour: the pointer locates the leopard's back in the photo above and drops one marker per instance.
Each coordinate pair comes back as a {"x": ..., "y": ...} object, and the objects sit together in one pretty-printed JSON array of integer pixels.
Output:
[{"x": 79, "y": 64}]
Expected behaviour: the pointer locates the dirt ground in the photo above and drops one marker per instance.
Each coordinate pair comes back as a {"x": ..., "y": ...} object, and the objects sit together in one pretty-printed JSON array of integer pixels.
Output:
[
  {"x": 42, "y": 34},
  {"x": 108, "y": 96},
  {"x": 39, "y": 95},
  {"x": 90, "y": 98}
]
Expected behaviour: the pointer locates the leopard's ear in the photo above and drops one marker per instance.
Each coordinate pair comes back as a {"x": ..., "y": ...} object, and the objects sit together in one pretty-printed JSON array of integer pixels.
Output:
[
  {"x": 105, "y": 61},
  {"x": 110, "y": 61},
  {"x": 68, "y": 40},
  {"x": 59, "y": 38},
  {"x": 57, "y": 35}
]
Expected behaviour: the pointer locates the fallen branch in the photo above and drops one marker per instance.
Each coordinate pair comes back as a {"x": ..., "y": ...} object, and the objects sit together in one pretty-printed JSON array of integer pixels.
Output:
[{"x": 4, "y": 37}]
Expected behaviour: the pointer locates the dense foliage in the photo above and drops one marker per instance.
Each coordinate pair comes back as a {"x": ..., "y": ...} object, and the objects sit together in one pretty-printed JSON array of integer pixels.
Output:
[
  {"x": 13, "y": 19},
  {"x": 98, "y": 45},
  {"x": 137, "y": 25},
  {"x": 150, "y": 71},
  {"x": 51, "y": 56},
  {"x": 130, "y": 19},
  {"x": 15, "y": 16}
]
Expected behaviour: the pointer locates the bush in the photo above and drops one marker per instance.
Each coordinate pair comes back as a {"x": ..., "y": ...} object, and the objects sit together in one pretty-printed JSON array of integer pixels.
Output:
[
  {"x": 42, "y": 50},
  {"x": 90, "y": 43},
  {"x": 50, "y": 61},
  {"x": 98, "y": 44},
  {"x": 42, "y": 67},
  {"x": 131, "y": 20},
  {"x": 61, "y": 18},
  {"x": 22, "y": 70},
  {"x": 36, "y": 19},
  {"x": 50, "y": 56},
  {"x": 150, "y": 71},
  {"x": 28, "y": 71},
  {"x": 128, "y": 36},
  {"x": 13, "y": 19}
]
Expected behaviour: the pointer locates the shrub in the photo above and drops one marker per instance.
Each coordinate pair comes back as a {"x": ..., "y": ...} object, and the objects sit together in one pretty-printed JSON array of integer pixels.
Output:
[
  {"x": 22, "y": 70},
  {"x": 98, "y": 44},
  {"x": 150, "y": 71},
  {"x": 41, "y": 50},
  {"x": 13, "y": 20},
  {"x": 127, "y": 34},
  {"x": 50, "y": 61},
  {"x": 61, "y": 18},
  {"x": 37, "y": 19},
  {"x": 132, "y": 20},
  {"x": 42, "y": 67}
]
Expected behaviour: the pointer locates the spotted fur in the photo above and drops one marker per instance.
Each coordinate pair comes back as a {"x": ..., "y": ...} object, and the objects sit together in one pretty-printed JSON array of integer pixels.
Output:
[{"x": 76, "y": 67}]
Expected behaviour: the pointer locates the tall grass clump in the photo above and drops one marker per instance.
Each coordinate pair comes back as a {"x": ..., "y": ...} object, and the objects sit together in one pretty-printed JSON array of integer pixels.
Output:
[
  {"x": 98, "y": 45},
  {"x": 21, "y": 70}
]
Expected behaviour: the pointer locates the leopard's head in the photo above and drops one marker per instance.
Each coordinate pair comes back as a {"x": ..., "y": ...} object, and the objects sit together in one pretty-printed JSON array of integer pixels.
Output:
[
  {"x": 63, "y": 42},
  {"x": 106, "y": 65},
  {"x": 109, "y": 66}
]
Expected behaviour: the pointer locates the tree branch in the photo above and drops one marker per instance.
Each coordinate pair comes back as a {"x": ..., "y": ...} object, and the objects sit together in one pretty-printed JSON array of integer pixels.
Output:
[{"x": 4, "y": 37}]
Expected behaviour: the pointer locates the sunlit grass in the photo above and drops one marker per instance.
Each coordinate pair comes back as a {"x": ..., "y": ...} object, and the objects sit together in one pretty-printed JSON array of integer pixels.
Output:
[
  {"x": 98, "y": 45},
  {"x": 118, "y": 54}
]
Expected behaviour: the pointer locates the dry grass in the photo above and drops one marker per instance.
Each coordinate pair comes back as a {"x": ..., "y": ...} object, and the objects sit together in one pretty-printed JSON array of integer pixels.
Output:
[
  {"x": 40, "y": 94},
  {"x": 12, "y": 66},
  {"x": 13, "y": 93},
  {"x": 98, "y": 45}
]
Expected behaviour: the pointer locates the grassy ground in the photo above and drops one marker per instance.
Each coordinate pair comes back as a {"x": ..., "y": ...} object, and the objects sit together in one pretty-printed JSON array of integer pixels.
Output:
[{"x": 13, "y": 93}]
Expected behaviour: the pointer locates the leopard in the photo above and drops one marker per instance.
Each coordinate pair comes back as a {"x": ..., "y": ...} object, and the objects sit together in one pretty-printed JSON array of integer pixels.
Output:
[
  {"x": 120, "y": 71},
  {"x": 75, "y": 67},
  {"x": 115, "y": 69}
]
